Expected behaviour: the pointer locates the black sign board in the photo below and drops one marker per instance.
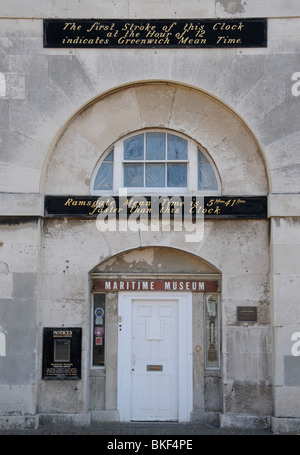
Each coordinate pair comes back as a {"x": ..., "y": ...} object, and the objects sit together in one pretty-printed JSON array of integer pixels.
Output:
[
  {"x": 61, "y": 353},
  {"x": 155, "y": 33},
  {"x": 247, "y": 313},
  {"x": 156, "y": 207}
]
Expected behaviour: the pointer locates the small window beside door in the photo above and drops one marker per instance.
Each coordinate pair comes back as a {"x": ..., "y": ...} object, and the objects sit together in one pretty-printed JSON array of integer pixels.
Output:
[
  {"x": 98, "y": 334},
  {"x": 212, "y": 331}
]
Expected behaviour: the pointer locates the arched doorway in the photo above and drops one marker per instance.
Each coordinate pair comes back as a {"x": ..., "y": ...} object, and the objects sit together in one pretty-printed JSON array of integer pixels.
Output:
[{"x": 167, "y": 302}]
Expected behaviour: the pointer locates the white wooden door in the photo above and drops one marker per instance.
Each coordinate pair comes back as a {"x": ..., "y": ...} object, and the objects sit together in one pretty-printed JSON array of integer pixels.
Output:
[
  {"x": 155, "y": 369},
  {"x": 154, "y": 384}
]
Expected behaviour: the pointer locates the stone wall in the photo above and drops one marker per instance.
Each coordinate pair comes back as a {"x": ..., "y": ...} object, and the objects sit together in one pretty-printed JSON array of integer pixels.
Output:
[{"x": 59, "y": 111}]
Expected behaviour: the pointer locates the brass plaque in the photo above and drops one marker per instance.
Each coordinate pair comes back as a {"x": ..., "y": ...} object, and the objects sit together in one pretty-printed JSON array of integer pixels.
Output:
[
  {"x": 247, "y": 313},
  {"x": 154, "y": 368}
]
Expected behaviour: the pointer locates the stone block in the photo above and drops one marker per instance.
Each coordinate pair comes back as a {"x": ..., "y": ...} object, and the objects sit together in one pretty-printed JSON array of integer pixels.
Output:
[
  {"x": 38, "y": 125},
  {"x": 286, "y": 299},
  {"x": 287, "y": 401},
  {"x": 212, "y": 393},
  {"x": 62, "y": 402},
  {"x": 97, "y": 391},
  {"x": 12, "y": 204},
  {"x": 10, "y": 178},
  {"x": 244, "y": 421},
  {"x": 248, "y": 353},
  {"x": 286, "y": 259},
  {"x": 58, "y": 286},
  {"x": 285, "y": 205},
  {"x": 67, "y": 420},
  {"x": 205, "y": 418},
  {"x": 18, "y": 422},
  {"x": 12, "y": 86},
  {"x": 281, "y": 425},
  {"x": 55, "y": 310},
  {"x": 105, "y": 416},
  {"x": 291, "y": 370},
  {"x": 6, "y": 285},
  {"x": 244, "y": 397},
  {"x": 15, "y": 401}
]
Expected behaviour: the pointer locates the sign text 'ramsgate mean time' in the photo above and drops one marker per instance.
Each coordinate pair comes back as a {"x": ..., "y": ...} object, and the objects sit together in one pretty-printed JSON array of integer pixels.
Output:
[{"x": 156, "y": 206}]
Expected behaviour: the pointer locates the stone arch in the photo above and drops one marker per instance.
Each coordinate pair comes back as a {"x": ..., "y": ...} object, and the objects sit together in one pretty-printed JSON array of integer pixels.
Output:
[
  {"x": 155, "y": 104},
  {"x": 155, "y": 260}
]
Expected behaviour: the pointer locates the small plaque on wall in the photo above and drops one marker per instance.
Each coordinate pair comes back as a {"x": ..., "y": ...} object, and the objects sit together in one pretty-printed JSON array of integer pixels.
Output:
[
  {"x": 247, "y": 313},
  {"x": 61, "y": 353}
]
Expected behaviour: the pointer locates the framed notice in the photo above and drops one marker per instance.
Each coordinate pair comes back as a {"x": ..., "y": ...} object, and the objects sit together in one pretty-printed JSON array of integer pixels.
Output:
[
  {"x": 61, "y": 353},
  {"x": 247, "y": 313}
]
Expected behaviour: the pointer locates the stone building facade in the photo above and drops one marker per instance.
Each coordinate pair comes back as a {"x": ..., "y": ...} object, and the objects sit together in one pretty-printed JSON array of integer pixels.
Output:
[{"x": 115, "y": 306}]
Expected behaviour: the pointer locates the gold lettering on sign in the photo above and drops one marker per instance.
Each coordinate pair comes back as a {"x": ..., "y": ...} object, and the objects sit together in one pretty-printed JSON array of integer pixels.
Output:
[
  {"x": 111, "y": 33},
  {"x": 227, "y": 40},
  {"x": 131, "y": 34},
  {"x": 224, "y": 26},
  {"x": 71, "y": 26},
  {"x": 97, "y": 26},
  {"x": 143, "y": 206},
  {"x": 62, "y": 333}
]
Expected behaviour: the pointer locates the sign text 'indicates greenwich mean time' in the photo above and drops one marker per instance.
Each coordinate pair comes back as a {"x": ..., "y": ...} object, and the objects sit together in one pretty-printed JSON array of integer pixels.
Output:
[{"x": 155, "y": 33}]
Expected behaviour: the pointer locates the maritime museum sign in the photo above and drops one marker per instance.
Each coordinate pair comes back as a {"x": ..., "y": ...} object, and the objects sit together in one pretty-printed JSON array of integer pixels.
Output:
[{"x": 101, "y": 285}]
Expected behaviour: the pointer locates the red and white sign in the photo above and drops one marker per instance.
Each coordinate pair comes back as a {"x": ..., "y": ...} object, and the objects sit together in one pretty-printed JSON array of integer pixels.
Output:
[{"x": 155, "y": 285}]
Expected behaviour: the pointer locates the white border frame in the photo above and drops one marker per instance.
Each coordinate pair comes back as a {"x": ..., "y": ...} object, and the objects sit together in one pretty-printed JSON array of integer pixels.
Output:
[{"x": 185, "y": 351}]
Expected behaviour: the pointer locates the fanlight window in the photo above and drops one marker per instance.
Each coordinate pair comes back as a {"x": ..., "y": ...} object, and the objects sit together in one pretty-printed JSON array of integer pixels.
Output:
[
  {"x": 104, "y": 177},
  {"x": 155, "y": 162}
]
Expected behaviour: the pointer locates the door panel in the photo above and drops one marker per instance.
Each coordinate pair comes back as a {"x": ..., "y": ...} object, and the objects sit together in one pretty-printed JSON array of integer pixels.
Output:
[{"x": 154, "y": 384}]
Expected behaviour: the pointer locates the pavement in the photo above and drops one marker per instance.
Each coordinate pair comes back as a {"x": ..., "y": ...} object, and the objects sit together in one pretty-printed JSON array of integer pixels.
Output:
[{"x": 149, "y": 429}]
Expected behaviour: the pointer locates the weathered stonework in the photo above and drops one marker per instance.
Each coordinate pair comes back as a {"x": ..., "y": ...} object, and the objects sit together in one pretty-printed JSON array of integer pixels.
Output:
[{"x": 61, "y": 109}]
